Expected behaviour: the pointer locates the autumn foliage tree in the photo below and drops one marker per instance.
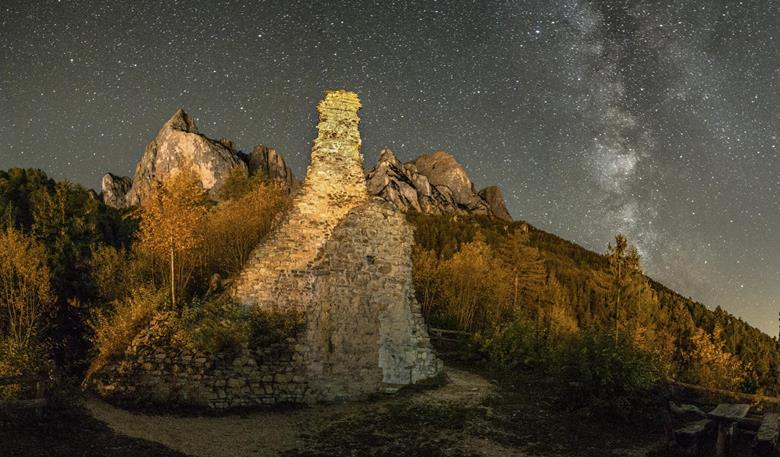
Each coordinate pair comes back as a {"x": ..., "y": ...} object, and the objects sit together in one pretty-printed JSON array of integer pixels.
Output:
[
  {"x": 711, "y": 365},
  {"x": 237, "y": 224},
  {"x": 170, "y": 228},
  {"x": 26, "y": 301}
]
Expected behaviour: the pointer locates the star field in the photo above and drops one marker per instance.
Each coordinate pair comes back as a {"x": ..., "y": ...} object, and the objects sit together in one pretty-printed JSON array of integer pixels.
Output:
[{"x": 655, "y": 118}]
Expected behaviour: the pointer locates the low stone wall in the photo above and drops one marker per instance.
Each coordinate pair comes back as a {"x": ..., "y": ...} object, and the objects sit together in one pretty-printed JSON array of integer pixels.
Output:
[{"x": 155, "y": 373}]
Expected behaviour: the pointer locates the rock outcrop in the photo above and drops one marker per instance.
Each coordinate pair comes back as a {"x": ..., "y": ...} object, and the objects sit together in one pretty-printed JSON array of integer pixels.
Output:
[
  {"x": 495, "y": 200},
  {"x": 179, "y": 146},
  {"x": 435, "y": 184},
  {"x": 115, "y": 189},
  {"x": 270, "y": 164}
]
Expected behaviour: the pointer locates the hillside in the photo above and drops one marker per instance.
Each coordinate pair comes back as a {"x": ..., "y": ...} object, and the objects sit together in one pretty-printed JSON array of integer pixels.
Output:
[{"x": 585, "y": 277}]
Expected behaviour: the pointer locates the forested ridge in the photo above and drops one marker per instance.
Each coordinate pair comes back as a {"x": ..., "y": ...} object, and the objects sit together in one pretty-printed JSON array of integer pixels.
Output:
[{"x": 585, "y": 277}]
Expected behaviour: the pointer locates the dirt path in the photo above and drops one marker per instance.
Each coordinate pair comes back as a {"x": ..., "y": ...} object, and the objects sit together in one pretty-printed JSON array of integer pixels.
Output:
[
  {"x": 271, "y": 433},
  {"x": 468, "y": 416}
]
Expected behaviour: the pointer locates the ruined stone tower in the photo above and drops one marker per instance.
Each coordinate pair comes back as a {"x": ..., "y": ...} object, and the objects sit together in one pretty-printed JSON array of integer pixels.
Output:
[{"x": 344, "y": 260}]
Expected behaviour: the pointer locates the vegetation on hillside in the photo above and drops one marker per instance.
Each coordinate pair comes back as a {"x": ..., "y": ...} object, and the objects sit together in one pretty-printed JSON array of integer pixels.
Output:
[
  {"x": 79, "y": 279},
  {"x": 535, "y": 301},
  {"x": 188, "y": 249}
]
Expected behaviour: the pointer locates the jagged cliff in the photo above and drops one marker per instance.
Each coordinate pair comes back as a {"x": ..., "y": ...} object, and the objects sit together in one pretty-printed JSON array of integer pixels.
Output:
[
  {"x": 179, "y": 146},
  {"x": 432, "y": 183}
]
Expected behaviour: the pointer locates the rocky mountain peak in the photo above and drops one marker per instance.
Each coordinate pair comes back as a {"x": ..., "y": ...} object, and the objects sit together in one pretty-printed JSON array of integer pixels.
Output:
[
  {"x": 432, "y": 183},
  {"x": 181, "y": 121}
]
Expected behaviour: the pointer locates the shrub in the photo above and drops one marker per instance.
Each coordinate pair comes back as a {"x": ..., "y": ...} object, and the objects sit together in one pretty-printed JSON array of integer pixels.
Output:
[
  {"x": 613, "y": 379},
  {"x": 219, "y": 325},
  {"x": 268, "y": 327},
  {"x": 234, "y": 227},
  {"x": 515, "y": 345},
  {"x": 114, "y": 331},
  {"x": 25, "y": 288},
  {"x": 16, "y": 360}
]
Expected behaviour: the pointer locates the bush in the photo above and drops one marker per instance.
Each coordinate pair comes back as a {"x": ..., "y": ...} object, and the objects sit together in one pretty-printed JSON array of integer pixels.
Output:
[
  {"x": 515, "y": 345},
  {"x": 114, "y": 331},
  {"x": 590, "y": 369},
  {"x": 17, "y": 360},
  {"x": 219, "y": 325},
  {"x": 613, "y": 379},
  {"x": 267, "y": 327}
]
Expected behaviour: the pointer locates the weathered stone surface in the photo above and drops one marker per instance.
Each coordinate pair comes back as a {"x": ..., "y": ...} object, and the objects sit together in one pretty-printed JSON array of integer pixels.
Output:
[
  {"x": 344, "y": 260},
  {"x": 115, "y": 190},
  {"x": 434, "y": 184},
  {"x": 495, "y": 200},
  {"x": 178, "y": 146},
  {"x": 266, "y": 161},
  {"x": 155, "y": 372}
]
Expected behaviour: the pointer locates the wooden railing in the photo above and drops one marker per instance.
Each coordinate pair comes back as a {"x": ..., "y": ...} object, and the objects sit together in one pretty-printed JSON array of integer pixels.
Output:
[
  {"x": 448, "y": 335},
  {"x": 38, "y": 381}
]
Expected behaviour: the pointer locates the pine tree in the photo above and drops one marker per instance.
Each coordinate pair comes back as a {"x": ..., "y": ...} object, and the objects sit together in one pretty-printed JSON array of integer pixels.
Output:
[
  {"x": 623, "y": 264},
  {"x": 525, "y": 265}
]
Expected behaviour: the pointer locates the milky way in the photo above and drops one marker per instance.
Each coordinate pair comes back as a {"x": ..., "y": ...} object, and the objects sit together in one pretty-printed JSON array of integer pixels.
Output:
[{"x": 654, "y": 118}]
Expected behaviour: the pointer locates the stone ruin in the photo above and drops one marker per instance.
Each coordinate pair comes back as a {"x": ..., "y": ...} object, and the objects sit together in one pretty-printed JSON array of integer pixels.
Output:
[{"x": 343, "y": 259}]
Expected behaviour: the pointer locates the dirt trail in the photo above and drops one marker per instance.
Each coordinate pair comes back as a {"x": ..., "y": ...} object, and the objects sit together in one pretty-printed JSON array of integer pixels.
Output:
[{"x": 268, "y": 433}]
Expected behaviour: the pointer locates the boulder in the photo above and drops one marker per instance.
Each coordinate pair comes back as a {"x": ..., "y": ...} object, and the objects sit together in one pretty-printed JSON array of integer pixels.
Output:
[{"x": 115, "y": 189}]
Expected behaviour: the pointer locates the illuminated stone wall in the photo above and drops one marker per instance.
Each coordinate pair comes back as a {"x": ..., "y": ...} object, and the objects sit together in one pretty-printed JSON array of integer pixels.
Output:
[{"x": 344, "y": 259}]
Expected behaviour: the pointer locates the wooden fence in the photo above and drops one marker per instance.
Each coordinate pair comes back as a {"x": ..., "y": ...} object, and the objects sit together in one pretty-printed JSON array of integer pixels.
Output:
[{"x": 37, "y": 381}]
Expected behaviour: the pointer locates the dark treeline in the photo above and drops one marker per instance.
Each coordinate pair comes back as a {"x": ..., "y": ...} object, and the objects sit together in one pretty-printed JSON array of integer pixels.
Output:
[{"x": 70, "y": 222}]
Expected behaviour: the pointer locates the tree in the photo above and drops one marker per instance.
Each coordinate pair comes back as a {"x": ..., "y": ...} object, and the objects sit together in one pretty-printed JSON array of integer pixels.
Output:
[
  {"x": 711, "y": 365},
  {"x": 427, "y": 279},
  {"x": 623, "y": 265},
  {"x": 525, "y": 265},
  {"x": 25, "y": 290},
  {"x": 474, "y": 287},
  {"x": 171, "y": 218},
  {"x": 235, "y": 226}
]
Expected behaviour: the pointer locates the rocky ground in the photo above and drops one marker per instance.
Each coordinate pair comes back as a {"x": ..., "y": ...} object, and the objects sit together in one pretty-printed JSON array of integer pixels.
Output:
[{"x": 467, "y": 416}]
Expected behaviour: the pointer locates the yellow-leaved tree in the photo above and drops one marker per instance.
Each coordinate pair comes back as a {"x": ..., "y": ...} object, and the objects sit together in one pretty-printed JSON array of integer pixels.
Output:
[
  {"x": 711, "y": 365},
  {"x": 475, "y": 287},
  {"x": 237, "y": 224},
  {"x": 25, "y": 299},
  {"x": 171, "y": 228}
]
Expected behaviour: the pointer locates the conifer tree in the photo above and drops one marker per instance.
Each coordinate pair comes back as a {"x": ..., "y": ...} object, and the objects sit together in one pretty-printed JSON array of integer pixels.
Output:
[{"x": 525, "y": 265}]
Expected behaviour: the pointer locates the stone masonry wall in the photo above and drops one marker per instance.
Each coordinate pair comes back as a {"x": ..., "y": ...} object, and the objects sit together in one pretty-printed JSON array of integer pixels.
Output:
[
  {"x": 345, "y": 260},
  {"x": 365, "y": 331},
  {"x": 277, "y": 275},
  {"x": 155, "y": 372}
]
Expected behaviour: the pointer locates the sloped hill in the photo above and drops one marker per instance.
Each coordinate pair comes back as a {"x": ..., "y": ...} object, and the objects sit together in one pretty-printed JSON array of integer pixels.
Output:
[{"x": 585, "y": 276}]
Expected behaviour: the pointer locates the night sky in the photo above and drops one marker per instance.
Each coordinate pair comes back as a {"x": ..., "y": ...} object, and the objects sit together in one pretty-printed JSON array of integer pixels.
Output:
[{"x": 655, "y": 118}]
